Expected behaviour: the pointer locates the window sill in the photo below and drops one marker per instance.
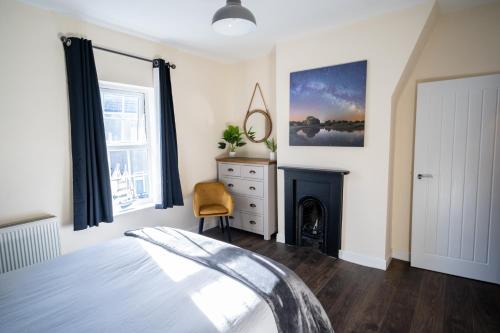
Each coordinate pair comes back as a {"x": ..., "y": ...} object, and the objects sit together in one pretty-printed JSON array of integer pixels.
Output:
[{"x": 135, "y": 209}]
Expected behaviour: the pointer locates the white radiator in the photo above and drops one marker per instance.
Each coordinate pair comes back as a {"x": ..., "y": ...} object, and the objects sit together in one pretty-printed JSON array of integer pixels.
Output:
[{"x": 27, "y": 243}]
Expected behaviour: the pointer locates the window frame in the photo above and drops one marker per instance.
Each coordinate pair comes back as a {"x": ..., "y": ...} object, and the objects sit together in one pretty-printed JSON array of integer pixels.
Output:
[{"x": 148, "y": 109}]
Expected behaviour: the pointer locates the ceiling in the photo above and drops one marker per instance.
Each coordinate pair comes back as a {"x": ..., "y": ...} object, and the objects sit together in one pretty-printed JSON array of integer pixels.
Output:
[{"x": 187, "y": 23}]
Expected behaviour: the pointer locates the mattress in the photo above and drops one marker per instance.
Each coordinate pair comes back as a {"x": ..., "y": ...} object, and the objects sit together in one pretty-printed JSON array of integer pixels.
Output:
[{"x": 128, "y": 285}]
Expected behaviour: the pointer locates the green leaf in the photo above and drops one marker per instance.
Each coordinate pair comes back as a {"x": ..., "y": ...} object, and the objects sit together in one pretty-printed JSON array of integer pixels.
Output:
[
  {"x": 271, "y": 144},
  {"x": 251, "y": 133},
  {"x": 233, "y": 136}
]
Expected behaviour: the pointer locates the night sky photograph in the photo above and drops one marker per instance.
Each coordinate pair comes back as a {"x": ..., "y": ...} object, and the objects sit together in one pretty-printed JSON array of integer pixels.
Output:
[{"x": 327, "y": 105}]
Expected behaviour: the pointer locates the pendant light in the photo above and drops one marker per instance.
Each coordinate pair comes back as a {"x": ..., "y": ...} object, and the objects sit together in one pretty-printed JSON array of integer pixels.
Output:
[{"x": 233, "y": 19}]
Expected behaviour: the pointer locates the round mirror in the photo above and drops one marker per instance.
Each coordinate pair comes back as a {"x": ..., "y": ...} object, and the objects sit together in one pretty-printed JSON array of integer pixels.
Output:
[{"x": 258, "y": 126}]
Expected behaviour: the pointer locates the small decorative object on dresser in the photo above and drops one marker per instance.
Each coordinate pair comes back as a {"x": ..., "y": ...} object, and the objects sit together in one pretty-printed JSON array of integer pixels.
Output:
[
  {"x": 252, "y": 181},
  {"x": 272, "y": 146},
  {"x": 233, "y": 137}
]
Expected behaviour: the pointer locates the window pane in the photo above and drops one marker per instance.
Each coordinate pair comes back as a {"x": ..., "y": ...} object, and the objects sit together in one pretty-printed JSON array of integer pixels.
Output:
[
  {"x": 142, "y": 186},
  {"x": 118, "y": 162},
  {"x": 111, "y": 102},
  {"x": 129, "y": 177},
  {"x": 128, "y": 127},
  {"x": 131, "y": 131},
  {"x": 132, "y": 104},
  {"x": 113, "y": 129},
  {"x": 139, "y": 159},
  {"x": 121, "y": 188}
]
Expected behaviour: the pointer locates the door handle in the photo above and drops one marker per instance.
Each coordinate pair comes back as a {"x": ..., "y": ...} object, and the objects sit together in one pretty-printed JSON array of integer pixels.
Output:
[{"x": 424, "y": 175}]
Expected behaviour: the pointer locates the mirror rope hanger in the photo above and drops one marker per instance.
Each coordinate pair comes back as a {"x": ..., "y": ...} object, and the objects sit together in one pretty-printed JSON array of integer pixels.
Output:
[
  {"x": 257, "y": 86},
  {"x": 265, "y": 113}
]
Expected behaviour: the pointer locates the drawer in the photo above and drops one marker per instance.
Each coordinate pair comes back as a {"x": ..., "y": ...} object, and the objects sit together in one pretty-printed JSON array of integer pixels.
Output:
[
  {"x": 243, "y": 186},
  {"x": 249, "y": 204},
  {"x": 252, "y": 223},
  {"x": 251, "y": 171},
  {"x": 227, "y": 169}
]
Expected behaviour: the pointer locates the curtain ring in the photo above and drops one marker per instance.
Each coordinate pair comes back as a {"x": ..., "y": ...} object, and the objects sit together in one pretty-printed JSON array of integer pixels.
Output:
[{"x": 66, "y": 41}]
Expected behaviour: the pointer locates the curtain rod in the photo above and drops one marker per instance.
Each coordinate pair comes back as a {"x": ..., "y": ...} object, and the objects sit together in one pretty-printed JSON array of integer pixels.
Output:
[{"x": 64, "y": 39}]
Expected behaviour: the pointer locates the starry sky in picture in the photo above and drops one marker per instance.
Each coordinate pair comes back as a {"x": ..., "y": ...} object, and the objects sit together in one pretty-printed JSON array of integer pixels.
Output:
[{"x": 329, "y": 93}]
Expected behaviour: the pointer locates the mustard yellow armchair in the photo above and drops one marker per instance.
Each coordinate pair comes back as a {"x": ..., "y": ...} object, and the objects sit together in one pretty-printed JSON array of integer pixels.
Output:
[{"x": 212, "y": 200}]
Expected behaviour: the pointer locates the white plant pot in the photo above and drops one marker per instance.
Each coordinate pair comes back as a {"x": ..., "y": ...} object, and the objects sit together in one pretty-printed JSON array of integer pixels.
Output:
[
  {"x": 232, "y": 154},
  {"x": 272, "y": 156}
]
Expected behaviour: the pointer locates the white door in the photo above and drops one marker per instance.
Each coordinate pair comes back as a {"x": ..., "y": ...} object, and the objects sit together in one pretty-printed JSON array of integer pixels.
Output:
[{"x": 456, "y": 186}]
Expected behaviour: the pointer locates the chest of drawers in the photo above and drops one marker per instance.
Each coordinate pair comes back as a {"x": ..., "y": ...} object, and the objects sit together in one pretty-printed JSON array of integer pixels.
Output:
[{"x": 252, "y": 182}]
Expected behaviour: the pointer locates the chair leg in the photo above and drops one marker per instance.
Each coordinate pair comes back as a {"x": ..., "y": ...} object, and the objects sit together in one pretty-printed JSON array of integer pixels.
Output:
[
  {"x": 221, "y": 224},
  {"x": 228, "y": 229},
  {"x": 200, "y": 227}
]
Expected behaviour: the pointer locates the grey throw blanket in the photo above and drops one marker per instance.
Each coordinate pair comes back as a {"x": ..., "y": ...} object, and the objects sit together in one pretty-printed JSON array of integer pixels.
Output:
[{"x": 295, "y": 307}]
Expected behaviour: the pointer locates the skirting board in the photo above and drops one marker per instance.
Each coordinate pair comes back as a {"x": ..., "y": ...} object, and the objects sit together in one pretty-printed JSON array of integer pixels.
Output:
[
  {"x": 353, "y": 257},
  {"x": 280, "y": 237},
  {"x": 364, "y": 260},
  {"x": 401, "y": 255}
]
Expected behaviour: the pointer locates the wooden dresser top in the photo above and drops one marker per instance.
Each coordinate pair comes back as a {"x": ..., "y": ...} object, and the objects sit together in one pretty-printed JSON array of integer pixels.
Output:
[{"x": 245, "y": 160}]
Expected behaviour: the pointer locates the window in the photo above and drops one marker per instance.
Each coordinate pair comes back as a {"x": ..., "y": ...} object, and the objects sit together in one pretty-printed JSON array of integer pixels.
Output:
[{"x": 126, "y": 117}]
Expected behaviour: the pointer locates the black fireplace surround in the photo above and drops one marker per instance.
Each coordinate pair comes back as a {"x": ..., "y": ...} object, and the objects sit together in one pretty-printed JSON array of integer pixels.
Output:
[{"x": 313, "y": 208}]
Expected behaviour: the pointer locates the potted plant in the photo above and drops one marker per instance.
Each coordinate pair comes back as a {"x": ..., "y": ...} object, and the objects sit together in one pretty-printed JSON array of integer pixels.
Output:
[
  {"x": 272, "y": 146},
  {"x": 232, "y": 137}
]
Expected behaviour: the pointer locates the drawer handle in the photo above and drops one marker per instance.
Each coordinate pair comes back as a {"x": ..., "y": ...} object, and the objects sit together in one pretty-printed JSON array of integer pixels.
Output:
[
  {"x": 252, "y": 188},
  {"x": 252, "y": 222},
  {"x": 252, "y": 172},
  {"x": 253, "y": 205},
  {"x": 230, "y": 185},
  {"x": 231, "y": 217},
  {"x": 230, "y": 169}
]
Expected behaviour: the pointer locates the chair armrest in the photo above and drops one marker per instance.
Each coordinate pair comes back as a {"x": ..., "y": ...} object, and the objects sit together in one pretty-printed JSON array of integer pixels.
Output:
[
  {"x": 196, "y": 204},
  {"x": 228, "y": 201}
]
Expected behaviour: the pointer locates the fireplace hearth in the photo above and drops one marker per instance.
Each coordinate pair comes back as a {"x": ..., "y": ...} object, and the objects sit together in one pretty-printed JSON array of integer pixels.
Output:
[{"x": 313, "y": 208}]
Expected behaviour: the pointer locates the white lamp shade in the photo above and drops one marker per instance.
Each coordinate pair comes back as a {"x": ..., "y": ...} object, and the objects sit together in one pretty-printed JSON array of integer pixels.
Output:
[
  {"x": 234, "y": 26},
  {"x": 233, "y": 19}
]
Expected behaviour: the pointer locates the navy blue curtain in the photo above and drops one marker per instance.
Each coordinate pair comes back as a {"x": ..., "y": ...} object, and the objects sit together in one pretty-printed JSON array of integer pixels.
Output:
[
  {"x": 92, "y": 201},
  {"x": 171, "y": 193}
]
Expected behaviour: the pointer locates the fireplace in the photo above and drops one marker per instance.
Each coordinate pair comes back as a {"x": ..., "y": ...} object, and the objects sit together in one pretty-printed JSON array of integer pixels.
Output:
[
  {"x": 313, "y": 208},
  {"x": 311, "y": 223}
]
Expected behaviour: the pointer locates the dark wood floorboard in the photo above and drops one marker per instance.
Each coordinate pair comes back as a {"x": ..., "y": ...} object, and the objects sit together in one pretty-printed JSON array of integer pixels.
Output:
[
  {"x": 401, "y": 299},
  {"x": 429, "y": 312},
  {"x": 403, "y": 302}
]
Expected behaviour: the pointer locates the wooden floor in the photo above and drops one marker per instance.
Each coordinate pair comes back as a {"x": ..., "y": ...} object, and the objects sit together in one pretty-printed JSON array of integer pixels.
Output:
[{"x": 401, "y": 299}]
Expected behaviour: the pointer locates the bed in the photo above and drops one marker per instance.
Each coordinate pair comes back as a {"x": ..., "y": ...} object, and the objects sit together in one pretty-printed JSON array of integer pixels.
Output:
[{"x": 158, "y": 280}]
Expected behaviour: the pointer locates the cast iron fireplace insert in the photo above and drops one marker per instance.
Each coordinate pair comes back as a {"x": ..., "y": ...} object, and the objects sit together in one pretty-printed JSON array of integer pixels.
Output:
[{"x": 313, "y": 208}]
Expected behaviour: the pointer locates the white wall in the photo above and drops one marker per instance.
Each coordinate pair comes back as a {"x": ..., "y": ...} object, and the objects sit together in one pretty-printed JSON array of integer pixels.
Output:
[
  {"x": 35, "y": 173},
  {"x": 387, "y": 42},
  {"x": 460, "y": 44},
  {"x": 242, "y": 83}
]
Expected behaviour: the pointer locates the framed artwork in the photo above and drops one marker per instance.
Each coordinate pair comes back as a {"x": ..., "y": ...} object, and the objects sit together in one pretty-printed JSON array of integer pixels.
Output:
[{"x": 327, "y": 106}]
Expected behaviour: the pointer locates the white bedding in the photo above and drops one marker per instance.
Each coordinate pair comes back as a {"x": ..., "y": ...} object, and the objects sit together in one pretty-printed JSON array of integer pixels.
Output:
[{"x": 128, "y": 285}]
